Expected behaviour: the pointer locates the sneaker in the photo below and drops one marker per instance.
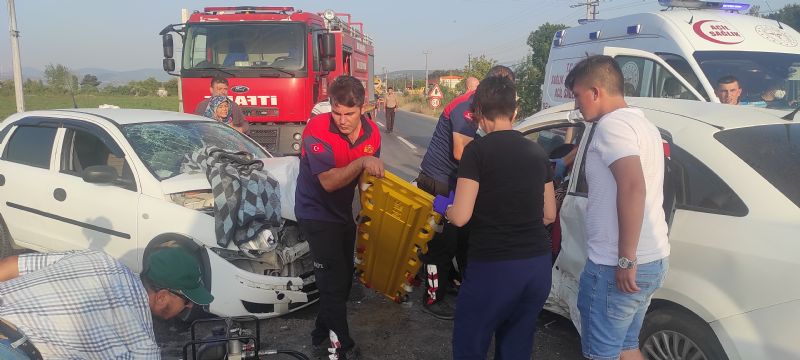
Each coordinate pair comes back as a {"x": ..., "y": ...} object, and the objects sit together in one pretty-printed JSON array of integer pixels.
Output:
[{"x": 440, "y": 310}]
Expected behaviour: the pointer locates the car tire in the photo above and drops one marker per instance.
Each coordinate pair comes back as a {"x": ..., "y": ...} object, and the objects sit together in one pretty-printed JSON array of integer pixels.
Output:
[{"x": 672, "y": 333}]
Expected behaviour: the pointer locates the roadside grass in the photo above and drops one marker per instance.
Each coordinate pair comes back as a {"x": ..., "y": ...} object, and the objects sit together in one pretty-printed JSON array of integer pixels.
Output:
[
  {"x": 418, "y": 104},
  {"x": 8, "y": 104}
]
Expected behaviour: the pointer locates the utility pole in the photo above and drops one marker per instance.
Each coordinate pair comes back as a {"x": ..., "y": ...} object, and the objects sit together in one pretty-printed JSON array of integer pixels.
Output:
[
  {"x": 591, "y": 8},
  {"x": 425, "y": 87},
  {"x": 15, "y": 62},
  {"x": 386, "y": 78}
]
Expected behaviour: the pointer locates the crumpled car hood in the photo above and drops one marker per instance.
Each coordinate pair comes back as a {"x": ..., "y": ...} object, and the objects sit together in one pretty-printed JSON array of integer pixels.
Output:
[{"x": 284, "y": 169}]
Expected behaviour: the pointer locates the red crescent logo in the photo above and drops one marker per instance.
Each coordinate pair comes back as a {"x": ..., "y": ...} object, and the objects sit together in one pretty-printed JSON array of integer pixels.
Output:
[
  {"x": 317, "y": 148},
  {"x": 726, "y": 35}
]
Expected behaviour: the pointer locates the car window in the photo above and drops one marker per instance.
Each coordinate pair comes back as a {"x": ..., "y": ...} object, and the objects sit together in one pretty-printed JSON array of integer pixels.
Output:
[
  {"x": 698, "y": 188},
  {"x": 553, "y": 138},
  {"x": 559, "y": 143},
  {"x": 771, "y": 150},
  {"x": 82, "y": 149},
  {"x": 31, "y": 145},
  {"x": 4, "y": 132},
  {"x": 646, "y": 78},
  {"x": 164, "y": 146}
]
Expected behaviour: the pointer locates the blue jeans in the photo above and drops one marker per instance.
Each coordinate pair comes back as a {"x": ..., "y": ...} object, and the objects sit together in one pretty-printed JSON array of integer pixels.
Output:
[
  {"x": 500, "y": 298},
  {"x": 9, "y": 353},
  {"x": 610, "y": 319}
]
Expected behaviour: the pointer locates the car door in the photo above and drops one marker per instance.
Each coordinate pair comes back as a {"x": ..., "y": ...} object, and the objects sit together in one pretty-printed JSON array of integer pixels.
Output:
[
  {"x": 25, "y": 174},
  {"x": 97, "y": 216},
  {"x": 552, "y": 131}
]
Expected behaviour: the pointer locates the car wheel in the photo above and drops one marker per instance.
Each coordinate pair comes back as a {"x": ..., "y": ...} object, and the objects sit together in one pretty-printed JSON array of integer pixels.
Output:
[{"x": 674, "y": 334}]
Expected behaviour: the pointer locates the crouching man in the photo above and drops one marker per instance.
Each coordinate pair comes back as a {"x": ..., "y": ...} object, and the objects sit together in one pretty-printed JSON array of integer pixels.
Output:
[{"x": 87, "y": 305}]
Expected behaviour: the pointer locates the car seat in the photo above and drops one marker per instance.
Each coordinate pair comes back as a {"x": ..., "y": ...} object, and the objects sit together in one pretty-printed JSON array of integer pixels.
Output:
[
  {"x": 673, "y": 88},
  {"x": 236, "y": 52}
]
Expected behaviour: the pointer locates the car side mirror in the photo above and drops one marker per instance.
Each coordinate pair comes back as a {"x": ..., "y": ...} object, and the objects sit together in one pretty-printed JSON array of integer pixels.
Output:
[
  {"x": 328, "y": 51},
  {"x": 166, "y": 41},
  {"x": 328, "y": 44},
  {"x": 169, "y": 65},
  {"x": 99, "y": 174}
]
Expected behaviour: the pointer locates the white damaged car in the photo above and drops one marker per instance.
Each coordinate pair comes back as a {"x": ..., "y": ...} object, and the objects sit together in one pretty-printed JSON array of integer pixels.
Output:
[
  {"x": 732, "y": 200},
  {"x": 110, "y": 179}
]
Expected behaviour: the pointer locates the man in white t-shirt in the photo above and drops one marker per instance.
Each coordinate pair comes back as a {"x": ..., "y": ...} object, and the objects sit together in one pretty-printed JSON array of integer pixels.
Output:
[{"x": 625, "y": 223}]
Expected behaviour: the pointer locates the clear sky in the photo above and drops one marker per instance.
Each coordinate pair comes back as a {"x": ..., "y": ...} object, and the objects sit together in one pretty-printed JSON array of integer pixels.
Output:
[{"x": 123, "y": 34}]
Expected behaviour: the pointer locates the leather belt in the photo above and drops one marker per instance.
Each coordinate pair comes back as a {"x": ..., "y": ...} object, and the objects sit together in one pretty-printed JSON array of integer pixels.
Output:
[{"x": 18, "y": 340}]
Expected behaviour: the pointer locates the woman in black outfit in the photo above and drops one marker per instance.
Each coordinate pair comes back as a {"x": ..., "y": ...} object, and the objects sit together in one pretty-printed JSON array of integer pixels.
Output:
[{"x": 505, "y": 191}]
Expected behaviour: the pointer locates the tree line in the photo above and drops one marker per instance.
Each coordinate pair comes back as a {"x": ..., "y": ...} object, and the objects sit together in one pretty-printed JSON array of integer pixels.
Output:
[{"x": 60, "y": 80}]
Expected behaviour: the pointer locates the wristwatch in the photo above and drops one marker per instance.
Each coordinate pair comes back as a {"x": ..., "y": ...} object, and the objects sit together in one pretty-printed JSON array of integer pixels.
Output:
[{"x": 625, "y": 263}]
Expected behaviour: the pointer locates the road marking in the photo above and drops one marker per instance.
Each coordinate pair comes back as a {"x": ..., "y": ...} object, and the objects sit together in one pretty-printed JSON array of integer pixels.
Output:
[
  {"x": 408, "y": 143},
  {"x": 380, "y": 124}
]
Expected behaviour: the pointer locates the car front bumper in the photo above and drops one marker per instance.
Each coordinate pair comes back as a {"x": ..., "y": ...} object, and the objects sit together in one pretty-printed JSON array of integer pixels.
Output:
[{"x": 239, "y": 292}]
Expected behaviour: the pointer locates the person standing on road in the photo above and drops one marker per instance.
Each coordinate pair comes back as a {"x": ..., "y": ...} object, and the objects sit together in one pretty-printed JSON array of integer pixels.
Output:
[
  {"x": 391, "y": 106},
  {"x": 219, "y": 87},
  {"x": 627, "y": 233},
  {"x": 454, "y": 130},
  {"x": 505, "y": 190},
  {"x": 337, "y": 147},
  {"x": 86, "y": 305}
]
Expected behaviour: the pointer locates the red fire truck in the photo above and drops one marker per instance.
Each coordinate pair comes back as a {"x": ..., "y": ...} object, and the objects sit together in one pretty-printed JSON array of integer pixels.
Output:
[{"x": 278, "y": 61}]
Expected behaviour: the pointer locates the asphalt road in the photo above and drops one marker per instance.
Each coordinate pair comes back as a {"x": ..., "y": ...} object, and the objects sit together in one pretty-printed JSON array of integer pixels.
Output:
[{"x": 382, "y": 328}]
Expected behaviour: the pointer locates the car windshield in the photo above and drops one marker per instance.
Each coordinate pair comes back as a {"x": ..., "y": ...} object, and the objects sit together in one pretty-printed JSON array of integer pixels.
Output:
[
  {"x": 164, "y": 146},
  {"x": 244, "y": 47},
  {"x": 766, "y": 79},
  {"x": 772, "y": 150}
]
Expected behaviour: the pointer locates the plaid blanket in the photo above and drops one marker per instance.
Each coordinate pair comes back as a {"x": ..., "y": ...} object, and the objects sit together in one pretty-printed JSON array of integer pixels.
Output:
[{"x": 246, "y": 197}]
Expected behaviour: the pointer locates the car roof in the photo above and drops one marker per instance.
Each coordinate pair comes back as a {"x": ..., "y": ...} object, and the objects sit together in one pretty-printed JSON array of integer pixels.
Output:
[
  {"x": 117, "y": 116},
  {"x": 721, "y": 116}
]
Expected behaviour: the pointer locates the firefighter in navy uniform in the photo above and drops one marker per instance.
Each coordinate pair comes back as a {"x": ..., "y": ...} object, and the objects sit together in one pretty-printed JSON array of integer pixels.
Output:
[{"x": 337, "y": 147}]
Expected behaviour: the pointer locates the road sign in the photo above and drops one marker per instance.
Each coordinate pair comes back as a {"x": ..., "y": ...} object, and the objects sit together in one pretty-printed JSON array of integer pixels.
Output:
[
  {"x": 435, "y": 102},
  {"x": 435, "y": 92}
]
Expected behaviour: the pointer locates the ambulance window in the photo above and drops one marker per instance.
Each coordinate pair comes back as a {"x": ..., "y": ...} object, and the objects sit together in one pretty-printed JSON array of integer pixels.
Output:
[
  {"x": 646, "y": 78},
  {"x": 683, "y": 68}
]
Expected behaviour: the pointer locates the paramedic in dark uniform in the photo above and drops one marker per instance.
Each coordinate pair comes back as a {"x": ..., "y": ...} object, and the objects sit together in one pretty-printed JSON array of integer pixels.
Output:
[
  {"x": 454, "y": 130},
  {"x": 337, "y": 148}
]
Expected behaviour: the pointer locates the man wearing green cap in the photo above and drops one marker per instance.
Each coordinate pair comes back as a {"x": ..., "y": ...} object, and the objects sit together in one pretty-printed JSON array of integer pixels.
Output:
[{"x": 87, "y": 305}]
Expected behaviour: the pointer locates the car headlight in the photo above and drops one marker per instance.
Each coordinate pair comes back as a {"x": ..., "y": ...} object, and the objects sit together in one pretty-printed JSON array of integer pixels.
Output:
[{"x": 263, "y": 242}]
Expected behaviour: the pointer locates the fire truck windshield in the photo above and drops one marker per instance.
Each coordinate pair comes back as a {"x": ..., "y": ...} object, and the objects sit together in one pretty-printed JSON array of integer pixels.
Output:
[
  {"x": 243, "y": 47},
  {"x": 766, "y": 79}
]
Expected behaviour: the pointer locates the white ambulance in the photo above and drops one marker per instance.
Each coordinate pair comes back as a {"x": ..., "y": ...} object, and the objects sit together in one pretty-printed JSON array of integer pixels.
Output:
[{"x": 682, "y": 52}]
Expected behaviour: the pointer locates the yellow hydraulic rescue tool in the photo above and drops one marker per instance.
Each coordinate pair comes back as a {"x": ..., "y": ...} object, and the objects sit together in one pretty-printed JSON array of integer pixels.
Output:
[{"x": 395, "y": 223}]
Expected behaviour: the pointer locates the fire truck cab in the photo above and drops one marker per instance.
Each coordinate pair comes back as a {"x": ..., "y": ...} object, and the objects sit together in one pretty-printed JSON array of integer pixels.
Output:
[
  {"x": 682, "y": 51},
  {"x": 278, "y": 62}
]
